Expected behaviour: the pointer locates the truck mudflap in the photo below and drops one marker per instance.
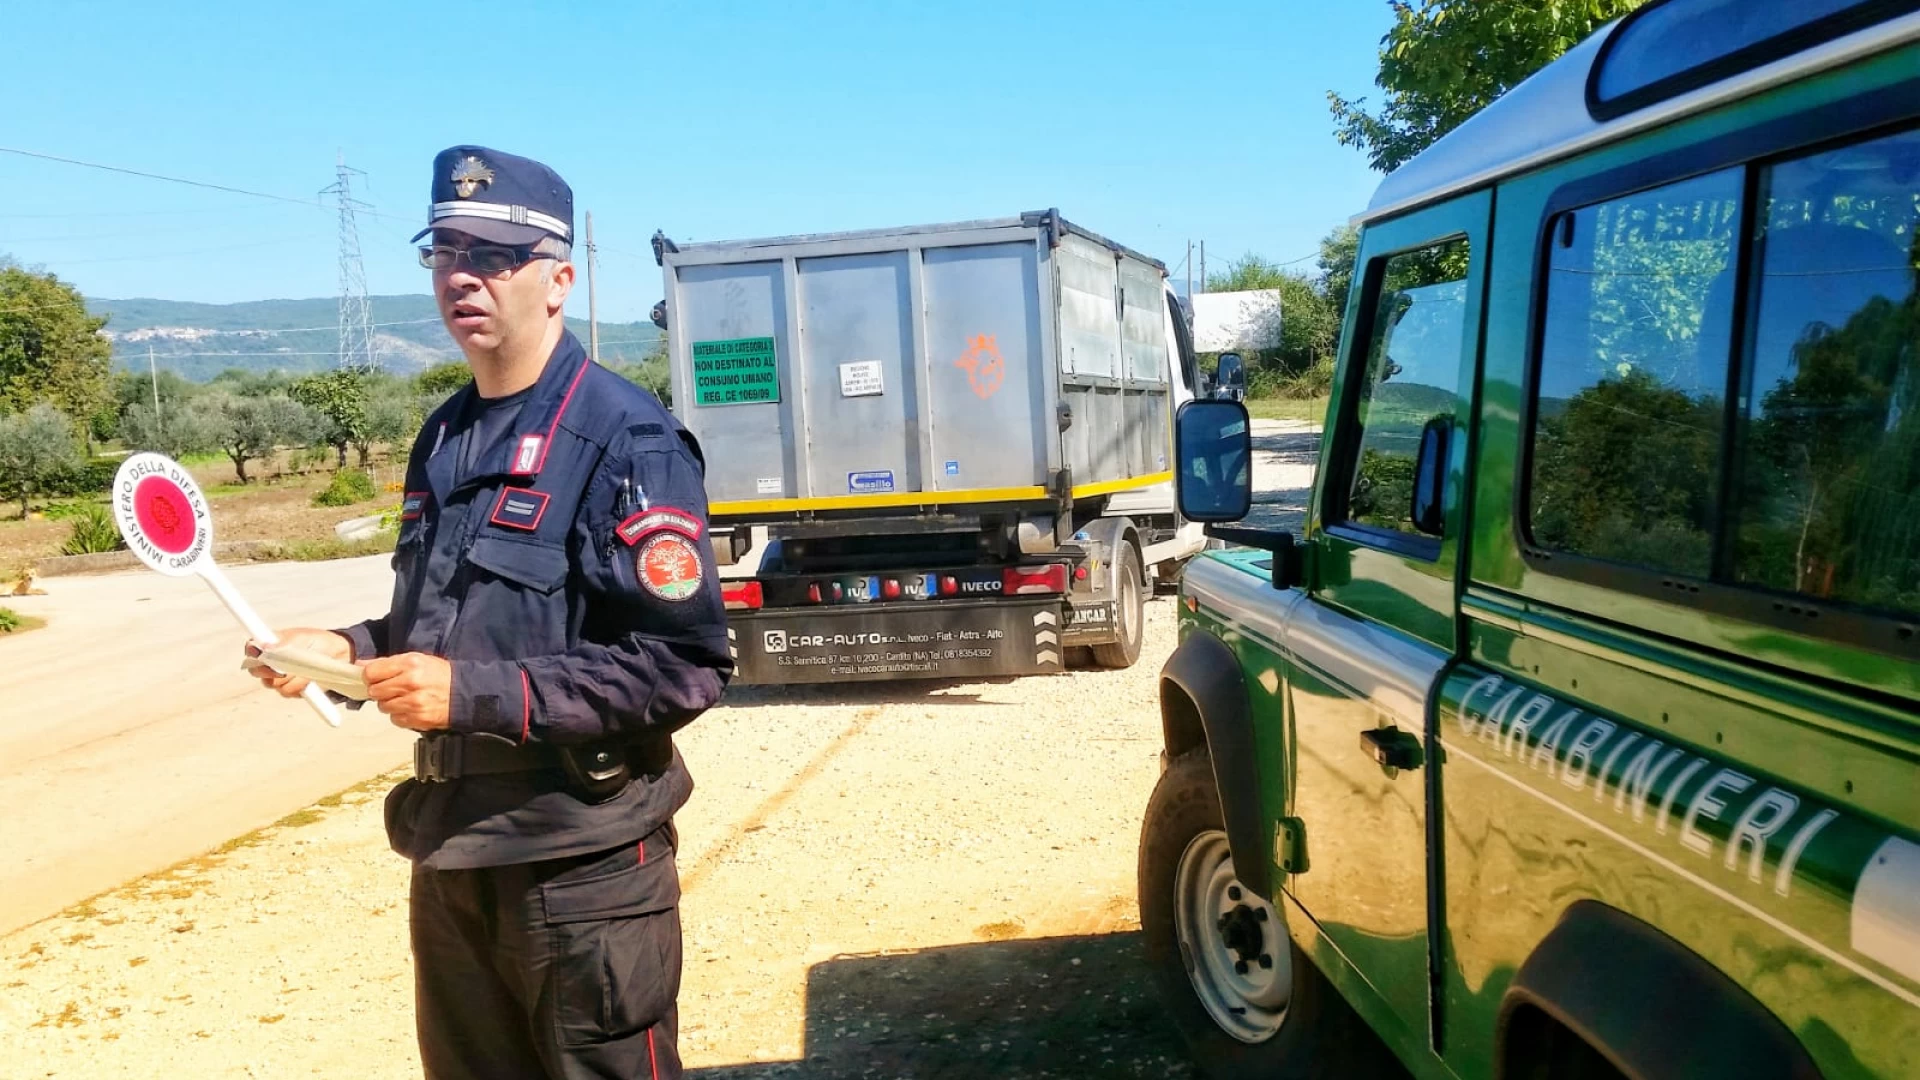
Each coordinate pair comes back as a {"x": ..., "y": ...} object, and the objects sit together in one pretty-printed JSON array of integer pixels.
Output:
[{"x": 951, "y": 640}]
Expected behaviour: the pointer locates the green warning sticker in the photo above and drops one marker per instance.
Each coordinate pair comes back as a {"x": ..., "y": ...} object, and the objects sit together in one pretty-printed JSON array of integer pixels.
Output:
[{"x": 738, "y": 372}]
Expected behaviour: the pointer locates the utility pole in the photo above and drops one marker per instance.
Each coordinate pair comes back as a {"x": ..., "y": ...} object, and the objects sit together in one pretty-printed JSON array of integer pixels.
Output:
[
  {"x": 1203, "y": 266},
  {"x": 356, "y": 314},
  {"x": 1189, "y": 271},
  {"x": 154, "y": 374},
  {"x": 593, "y": 308}
]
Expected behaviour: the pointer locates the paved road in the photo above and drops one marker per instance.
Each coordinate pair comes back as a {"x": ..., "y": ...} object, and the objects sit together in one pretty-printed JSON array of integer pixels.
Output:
[
  {"x": 1285, "y": 454},
  {"x": 130, "y": 740}
]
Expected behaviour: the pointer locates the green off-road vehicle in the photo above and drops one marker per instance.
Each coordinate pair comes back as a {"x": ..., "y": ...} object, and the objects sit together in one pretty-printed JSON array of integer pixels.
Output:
[{"x": 1578, "y": 735}]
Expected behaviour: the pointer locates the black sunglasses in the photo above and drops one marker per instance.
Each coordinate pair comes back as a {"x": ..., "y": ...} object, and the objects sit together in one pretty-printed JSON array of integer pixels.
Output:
[{"x": 484, "y": 258}]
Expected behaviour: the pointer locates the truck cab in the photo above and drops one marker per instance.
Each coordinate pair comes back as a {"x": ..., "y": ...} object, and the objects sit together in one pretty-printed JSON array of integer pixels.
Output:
[{"x": 1578, "y": 733}]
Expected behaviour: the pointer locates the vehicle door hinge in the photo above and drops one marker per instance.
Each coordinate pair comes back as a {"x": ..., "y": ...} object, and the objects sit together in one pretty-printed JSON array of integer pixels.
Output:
[{"x": 1290, "y": 845}]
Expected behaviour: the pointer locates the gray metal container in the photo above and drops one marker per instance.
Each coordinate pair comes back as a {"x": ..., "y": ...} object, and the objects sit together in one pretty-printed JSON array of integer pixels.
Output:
[{"x": 908, "y": 369}]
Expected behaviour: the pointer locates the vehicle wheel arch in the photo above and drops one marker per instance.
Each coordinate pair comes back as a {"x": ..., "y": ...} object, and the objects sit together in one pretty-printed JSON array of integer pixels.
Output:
[
  {"x": 1203, "y": 702},
  {"x": 1594, "y": 976}
]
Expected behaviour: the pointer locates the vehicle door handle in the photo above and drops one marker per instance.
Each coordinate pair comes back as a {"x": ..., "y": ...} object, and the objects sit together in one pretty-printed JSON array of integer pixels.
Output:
[{"x": 1391, "y": 748}]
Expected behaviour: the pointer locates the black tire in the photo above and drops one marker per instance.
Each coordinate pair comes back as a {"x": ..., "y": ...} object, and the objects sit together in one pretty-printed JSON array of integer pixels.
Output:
[
  {"x": 1318, "y": 1033},
  {"x": 1129, "y": 611}
]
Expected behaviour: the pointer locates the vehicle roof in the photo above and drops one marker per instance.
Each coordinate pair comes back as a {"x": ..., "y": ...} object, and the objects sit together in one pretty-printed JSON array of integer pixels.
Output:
[
  {"x": 1545, "y": 118},
  {"x": 1033, "y": 219}
]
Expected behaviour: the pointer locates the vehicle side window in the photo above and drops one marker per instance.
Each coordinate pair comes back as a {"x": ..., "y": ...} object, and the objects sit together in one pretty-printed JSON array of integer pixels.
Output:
[
  {"x": 1643, "y": 339},
  {"x": 1183, "y": 341},
  {"x": 1829, "y": 501},
  {"x": 1632, "y": 383},
  {"x": 1411, "y": 373}
]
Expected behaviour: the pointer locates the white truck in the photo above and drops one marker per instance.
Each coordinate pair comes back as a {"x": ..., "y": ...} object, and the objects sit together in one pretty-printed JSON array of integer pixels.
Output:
[{"x": 932, "y": 452}]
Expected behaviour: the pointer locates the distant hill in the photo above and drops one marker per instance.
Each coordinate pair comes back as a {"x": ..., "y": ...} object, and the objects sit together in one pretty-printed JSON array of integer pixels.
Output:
[{"x": 200, "y": 341}]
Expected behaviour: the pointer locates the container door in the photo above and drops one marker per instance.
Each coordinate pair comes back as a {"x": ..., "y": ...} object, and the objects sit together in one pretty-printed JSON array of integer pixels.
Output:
[
  {"x": 738, "y": 398},
  {"x": 856, "y": 333},
  {"x": 1377, "y": 630},
  {"x": 987, "y": 376}
]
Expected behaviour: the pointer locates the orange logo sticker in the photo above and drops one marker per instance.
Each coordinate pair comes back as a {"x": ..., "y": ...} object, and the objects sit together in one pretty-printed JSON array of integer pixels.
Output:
[{"x": 983, "y": 365}]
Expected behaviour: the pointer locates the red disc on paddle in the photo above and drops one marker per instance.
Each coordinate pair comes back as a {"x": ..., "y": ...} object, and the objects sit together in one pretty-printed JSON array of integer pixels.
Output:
[{"x": 164, "y": 513}]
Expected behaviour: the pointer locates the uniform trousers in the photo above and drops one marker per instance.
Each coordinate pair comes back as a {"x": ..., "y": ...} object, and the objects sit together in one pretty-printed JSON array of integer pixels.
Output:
[{"x": 566, "y": 968}]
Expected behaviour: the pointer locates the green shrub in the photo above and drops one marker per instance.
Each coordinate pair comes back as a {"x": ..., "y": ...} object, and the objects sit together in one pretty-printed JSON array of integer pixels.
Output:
[
  {"x": 347, "y": 487},
  {"x": 94, "y": 531},
  {"x": 9, "y": 622},
  {"x": 91, "y": 477},
  {"x": 61, "y": 511},
  {"x": 380, "y": 543}
]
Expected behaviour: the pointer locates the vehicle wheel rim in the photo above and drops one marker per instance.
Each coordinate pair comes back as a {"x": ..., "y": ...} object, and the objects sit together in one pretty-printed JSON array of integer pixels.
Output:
[
  {"x": 1129, "y": 609},
  {"x": 1226, "y": 932}
]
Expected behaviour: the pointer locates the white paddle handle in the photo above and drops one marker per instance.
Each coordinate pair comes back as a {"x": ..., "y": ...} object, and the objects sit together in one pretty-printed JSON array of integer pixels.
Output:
[{"x": 230, "y": 596}]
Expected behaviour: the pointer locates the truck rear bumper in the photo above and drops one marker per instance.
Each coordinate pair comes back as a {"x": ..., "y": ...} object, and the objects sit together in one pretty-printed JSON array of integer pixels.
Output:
[{"x": 945, "y": 640}]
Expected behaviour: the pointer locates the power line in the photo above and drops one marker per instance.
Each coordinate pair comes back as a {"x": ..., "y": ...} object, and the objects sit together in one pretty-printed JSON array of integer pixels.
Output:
[
  {"x": 314, "y": 204},
  {"x": 163, "y": 256}
]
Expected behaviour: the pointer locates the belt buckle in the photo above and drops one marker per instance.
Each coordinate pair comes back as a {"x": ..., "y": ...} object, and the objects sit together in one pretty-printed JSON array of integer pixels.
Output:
[{"x": 436, "y": 758}]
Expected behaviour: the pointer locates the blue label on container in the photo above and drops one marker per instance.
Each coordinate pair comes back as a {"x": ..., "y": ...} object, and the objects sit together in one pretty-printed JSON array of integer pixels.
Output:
[
  {"x": 953, "y": 468},
  {"x": 866, "y": 483}
]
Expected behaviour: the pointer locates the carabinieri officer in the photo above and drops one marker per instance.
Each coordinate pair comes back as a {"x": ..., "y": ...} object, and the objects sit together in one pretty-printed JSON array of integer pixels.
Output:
[{"x": 555, "y": 618}]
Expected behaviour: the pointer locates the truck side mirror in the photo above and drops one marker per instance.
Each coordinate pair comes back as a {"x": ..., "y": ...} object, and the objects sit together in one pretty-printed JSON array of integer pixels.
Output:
[
  {"x": 1214, "y": 451},
  {"x": 1428, "y": 512}
]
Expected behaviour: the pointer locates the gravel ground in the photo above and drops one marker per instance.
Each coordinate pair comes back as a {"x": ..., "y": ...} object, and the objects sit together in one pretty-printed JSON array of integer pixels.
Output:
[
  {"x": 880, "y": 880},
  {"x": 888, "y": 880}
]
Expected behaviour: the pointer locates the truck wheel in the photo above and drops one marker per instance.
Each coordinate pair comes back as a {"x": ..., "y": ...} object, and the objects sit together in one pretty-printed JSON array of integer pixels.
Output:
[
  {"x": 1247, "y": 1001},
  {"x": 1129, "y": 613}
]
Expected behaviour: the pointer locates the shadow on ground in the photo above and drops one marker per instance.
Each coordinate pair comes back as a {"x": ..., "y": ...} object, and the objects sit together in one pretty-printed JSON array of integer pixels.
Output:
[{"x": 1078, "y": 1007}]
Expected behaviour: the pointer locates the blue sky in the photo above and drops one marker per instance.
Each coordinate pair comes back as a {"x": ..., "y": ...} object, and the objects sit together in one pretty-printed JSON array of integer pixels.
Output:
[{"x": 711, "y": 121}]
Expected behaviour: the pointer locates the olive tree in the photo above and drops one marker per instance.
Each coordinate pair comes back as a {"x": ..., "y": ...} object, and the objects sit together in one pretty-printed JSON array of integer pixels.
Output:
[{"x": 36, "y": 447}]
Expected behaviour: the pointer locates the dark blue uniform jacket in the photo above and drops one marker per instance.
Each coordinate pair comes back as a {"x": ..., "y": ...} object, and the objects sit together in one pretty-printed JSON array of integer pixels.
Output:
[{"x": 568, "y": 581}]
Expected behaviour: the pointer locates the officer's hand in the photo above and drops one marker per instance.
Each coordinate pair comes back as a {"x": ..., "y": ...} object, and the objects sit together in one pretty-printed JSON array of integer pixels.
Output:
[
  {"x": 325, "y": 642},
  {"x": 413, "y": 689}
]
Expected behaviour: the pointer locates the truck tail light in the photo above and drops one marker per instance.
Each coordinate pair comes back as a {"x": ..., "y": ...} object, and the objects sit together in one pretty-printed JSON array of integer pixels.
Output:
[
  {"x": 742, "y": 594},
  {"x": 890, "y": 589},
  {"x": 1017, "y": 581},
  {"x": 813, "y": 594},
  {"x": 949, "y": 585}
]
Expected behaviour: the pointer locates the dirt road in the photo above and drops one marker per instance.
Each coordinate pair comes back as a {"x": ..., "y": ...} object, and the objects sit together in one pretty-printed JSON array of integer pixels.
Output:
[
  {"x": 909, "y": 879},
  {"x": 129, "y": 739},
  {"x": 885, "y": 880}
]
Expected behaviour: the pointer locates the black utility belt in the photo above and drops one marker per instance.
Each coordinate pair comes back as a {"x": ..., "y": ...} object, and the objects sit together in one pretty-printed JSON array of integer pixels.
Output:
[
  {"x": 438, "y": 758},
  {"x": 595, "y": 772}
]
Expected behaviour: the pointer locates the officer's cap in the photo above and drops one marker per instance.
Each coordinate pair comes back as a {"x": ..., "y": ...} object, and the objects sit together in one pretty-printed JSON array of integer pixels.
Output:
[{"x": 498, "y": 197}]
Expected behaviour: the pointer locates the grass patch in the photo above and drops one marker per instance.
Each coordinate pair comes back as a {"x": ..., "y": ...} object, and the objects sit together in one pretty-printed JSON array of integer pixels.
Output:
[
  {"x": 322, "y": 550},
  {"x": 300, "y": 817},
  {"x": 12, "y": 622},
  {"x": 1311, "y": 410}
]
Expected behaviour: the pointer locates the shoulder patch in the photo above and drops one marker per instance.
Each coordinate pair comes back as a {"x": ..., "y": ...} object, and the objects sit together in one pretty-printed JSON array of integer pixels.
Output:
[
  {"x": 669, "y": 567},
  {"x": 646, "y": 522},
  {"x": 647, "y": 431}
]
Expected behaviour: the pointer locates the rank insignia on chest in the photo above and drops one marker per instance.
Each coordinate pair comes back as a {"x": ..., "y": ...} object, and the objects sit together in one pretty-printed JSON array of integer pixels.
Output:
[
  {"x": 526, "y": 457},
  {"x": 518, "y": 508},
  {"x": 639, "y": 526},
  {"x": 413, "y": 505},
  {"x": 669, "y": 566}
]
